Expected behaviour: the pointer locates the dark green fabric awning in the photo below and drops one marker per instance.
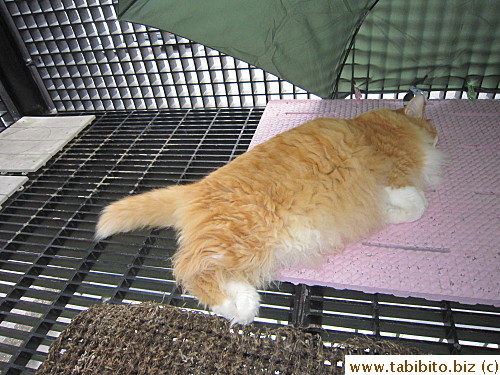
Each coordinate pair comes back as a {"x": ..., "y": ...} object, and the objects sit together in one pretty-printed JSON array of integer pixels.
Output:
[
  {"x": 439, "y": 45},
  {"x": 327, "y": 46}
]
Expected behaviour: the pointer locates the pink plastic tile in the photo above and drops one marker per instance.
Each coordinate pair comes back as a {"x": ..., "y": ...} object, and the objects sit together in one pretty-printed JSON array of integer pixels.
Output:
[{"x": 453, "y": 252}]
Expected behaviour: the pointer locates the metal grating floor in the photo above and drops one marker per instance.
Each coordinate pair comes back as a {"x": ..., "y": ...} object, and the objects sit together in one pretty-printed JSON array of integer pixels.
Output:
[
  {"x": 89, "y": 60},
  {"x": 51, "y": 268}
]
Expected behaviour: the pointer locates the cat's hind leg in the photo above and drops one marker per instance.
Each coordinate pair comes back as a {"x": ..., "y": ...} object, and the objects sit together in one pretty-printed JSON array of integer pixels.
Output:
[
  {"x": 237, "y": 301},
  {"x": 212, "y": 279},
  {"x": 403, "y": 205},
  {"x": 241, "y": 305}
]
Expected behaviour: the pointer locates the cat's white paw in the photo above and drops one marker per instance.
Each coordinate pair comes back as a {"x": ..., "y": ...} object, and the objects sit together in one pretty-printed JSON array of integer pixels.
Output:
[
  {"x": 404, "y": 205},
  {"x": 242, "y": 304}
]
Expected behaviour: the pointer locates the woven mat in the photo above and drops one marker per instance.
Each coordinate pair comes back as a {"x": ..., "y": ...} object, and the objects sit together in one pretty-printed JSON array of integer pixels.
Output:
[
  {"x": 452, "y": 253},
  {"x": 158, "y": 339}
]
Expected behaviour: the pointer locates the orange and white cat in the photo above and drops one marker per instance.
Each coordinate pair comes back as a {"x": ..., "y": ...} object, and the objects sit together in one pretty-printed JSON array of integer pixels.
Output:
[{"x": 302, "y": 194}]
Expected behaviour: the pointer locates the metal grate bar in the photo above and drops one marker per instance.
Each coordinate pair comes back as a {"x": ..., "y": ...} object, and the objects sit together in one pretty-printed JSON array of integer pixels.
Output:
[{"x": 449, "y": 324}]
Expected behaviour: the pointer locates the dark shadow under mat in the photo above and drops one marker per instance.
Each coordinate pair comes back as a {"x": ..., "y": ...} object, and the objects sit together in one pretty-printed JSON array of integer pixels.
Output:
[{"x": 152, "y": 338}]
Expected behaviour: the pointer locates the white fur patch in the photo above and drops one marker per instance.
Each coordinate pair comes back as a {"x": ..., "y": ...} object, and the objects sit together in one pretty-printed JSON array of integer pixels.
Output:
[
  {"x": 404, "y": 205},
  {"x": 304, "y": 246},
  {"x": 433, "y": 162},
  {"x": 242, "y": 304}
]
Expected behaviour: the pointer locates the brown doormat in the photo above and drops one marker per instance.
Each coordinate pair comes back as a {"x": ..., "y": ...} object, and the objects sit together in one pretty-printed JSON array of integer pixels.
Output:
[{"x": 151, "y": 338}]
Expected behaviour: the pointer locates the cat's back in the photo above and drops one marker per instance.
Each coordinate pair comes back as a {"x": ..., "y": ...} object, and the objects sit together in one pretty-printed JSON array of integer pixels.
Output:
[
  {"x": 322, "y": 163},
  {"x": 307, "y": 151}
]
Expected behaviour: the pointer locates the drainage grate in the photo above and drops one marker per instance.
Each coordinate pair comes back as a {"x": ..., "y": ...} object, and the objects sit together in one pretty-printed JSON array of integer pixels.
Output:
[
  {"x": 51, "y": 269},
  {"x": 88, "y": 60}
]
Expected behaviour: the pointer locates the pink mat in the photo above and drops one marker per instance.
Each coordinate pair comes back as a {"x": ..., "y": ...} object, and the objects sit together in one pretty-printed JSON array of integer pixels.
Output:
[{"x": 453, "y": 252}]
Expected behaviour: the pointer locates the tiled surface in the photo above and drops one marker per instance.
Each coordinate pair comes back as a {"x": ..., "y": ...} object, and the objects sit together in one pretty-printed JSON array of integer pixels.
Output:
[
  {"x": 29, "y": 143},
  {"x": 9, "y": 185},
  {"x": 452, "y": 253}
]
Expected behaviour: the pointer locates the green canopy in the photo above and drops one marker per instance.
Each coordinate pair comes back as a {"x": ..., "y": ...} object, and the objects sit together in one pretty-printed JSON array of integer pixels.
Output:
[{"x": 329, "y": 46}]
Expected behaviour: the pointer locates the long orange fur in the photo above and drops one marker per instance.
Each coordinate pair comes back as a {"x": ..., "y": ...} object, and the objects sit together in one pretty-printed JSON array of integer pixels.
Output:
[{"x": 304, "y": 193}]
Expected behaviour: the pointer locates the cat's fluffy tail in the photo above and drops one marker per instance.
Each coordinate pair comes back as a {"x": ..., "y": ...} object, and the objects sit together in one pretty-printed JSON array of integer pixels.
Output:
[{"x": 157, "y": 208}]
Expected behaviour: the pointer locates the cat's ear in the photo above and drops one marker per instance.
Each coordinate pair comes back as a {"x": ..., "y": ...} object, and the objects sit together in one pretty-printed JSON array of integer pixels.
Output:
[{"x": 415, "y": 107}]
